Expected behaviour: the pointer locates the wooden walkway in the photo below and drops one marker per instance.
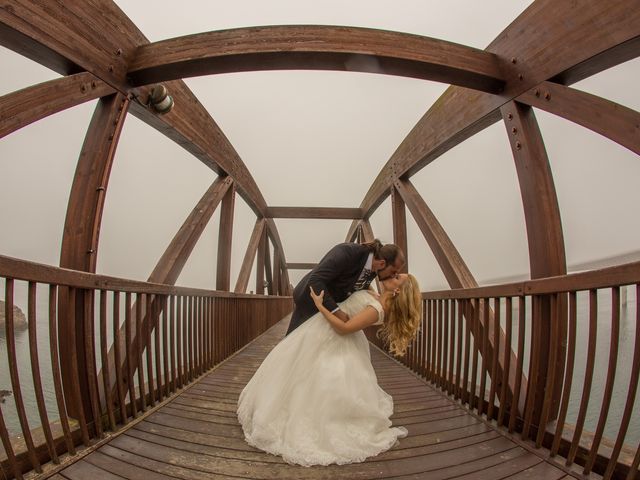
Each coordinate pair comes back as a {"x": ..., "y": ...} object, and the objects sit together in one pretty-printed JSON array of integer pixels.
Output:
[{"x": 195, "y": 435}]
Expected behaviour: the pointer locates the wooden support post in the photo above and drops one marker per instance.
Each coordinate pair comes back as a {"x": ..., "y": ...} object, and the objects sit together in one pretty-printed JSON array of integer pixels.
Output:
[
  {"x": 81, "y": 236},
  {"x": 260, "y": 263},
  {"x": 277, "y": 290},
  {"x": 225, "y": 238},
  {"x": 399, "y": 225},
  {"x": 267, "y": 266},
  {"x": 249, "y": 256}
]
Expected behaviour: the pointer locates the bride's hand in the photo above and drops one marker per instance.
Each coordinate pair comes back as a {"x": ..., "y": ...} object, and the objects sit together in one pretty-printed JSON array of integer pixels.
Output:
[{"x": 317, "y": 297}]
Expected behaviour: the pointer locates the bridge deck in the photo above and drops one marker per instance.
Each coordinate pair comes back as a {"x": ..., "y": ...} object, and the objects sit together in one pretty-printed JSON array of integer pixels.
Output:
[{"x": 196, "y": 435}]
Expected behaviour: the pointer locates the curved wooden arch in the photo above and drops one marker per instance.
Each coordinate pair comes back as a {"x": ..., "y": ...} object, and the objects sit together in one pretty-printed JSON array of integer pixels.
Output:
[
  {"x": 312, "y": 47},
  {"x": 539, "y": 42},
  {"x": 23, "y": 107},
  {"x": 82, "y": 232},
  {"x": 100, "y": 39},
  {"x": 611, "y": 120}
]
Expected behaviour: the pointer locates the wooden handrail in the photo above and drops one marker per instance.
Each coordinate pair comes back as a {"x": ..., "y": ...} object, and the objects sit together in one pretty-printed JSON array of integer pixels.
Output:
[
  {"x": 187, "y": 332},
  {"x": 17, "y": 269},
  {"x": 626, "y": 274},
  {"x": 448, "y": 352}
]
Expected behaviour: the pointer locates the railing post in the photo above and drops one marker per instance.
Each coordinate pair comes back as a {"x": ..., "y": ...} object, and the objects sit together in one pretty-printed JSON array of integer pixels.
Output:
[{"x": 71, "y": 334}]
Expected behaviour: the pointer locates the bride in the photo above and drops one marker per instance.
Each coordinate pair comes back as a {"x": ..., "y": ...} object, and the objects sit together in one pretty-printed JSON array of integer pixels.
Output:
[{"x": 315, "y": 400}]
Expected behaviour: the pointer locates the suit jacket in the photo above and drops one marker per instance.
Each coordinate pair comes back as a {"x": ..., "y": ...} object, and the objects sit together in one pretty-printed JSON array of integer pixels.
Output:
[{"x": 336, "y": 274}]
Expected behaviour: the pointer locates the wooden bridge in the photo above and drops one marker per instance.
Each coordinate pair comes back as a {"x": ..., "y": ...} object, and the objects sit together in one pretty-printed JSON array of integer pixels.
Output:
[
  {"x": 133, "y": 379},
  {"x": 196, "y": 434}
]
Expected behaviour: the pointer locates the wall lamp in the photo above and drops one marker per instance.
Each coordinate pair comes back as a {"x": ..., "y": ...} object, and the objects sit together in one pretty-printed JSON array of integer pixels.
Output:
[{"x": 159, "y": 100}]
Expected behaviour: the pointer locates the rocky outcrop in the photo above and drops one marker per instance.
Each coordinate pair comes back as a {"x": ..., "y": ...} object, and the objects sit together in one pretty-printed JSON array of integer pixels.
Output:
[{"x": 19, "y": 318}]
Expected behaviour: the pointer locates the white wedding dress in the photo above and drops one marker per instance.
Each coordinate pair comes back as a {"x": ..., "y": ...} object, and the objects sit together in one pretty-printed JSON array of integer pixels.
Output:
[{"x": 315, "y": 400}]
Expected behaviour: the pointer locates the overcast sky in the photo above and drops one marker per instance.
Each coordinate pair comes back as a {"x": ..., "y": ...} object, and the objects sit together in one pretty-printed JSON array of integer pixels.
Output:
[{"x": 318, "y": 139}]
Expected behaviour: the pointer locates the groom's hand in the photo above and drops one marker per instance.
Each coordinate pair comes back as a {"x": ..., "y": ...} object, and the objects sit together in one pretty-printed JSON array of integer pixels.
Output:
[{"x": 341, "y": 315}]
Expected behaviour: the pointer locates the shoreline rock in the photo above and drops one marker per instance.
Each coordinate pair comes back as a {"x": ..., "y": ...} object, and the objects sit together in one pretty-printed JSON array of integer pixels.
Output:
[{"x": 19, "y": 318}]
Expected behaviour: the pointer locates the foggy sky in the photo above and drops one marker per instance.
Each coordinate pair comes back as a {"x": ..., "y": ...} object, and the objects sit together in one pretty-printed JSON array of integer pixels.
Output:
[{"x": 318, "y": 139}]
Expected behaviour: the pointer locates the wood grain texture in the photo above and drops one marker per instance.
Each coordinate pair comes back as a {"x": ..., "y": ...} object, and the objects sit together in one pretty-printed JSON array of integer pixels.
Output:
[
  {"x": 97, "y": 37},
  {"x": 446, "y": 254},
  {"x": 225, "y": 241},
  {"x": 539, "y": 199},
  {"x": 314, "y": 212},
  {"x": 611, "y": 120},
  {"x": 175, "y": 256},
  {"x": 23, "y": 107},
  {"x": 399, "y": 220},
  {"x": 81, "y": 234},
  {"x": 249, "y": 256},
  {"x": 547, "y": 39},
  {"x": 301, "y": 266},
  {"x": 197, "y": 435},
  {"x": 88, "y": 192},
  {"x": 302, "y": 47}
]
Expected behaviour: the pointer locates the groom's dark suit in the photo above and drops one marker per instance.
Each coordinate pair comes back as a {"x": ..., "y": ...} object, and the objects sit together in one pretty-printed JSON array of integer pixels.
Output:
[{"x": 336, "y": 274}]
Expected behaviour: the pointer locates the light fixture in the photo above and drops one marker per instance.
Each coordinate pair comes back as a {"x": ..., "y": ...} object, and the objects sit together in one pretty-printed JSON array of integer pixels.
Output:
[{"x": 159, "y": 100}]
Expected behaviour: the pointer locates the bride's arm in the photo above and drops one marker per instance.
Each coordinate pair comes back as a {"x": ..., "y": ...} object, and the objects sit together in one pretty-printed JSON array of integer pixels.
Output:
[{"x": 363, "y": 319}]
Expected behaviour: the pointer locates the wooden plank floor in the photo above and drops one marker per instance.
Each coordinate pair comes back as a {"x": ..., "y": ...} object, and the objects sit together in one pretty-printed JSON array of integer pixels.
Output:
[{"x": 196, "y": 436}]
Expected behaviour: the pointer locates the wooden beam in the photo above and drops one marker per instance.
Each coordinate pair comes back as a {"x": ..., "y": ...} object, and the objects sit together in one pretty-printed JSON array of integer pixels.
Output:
[
  {"x": 541, "y": 44},
  {"x": 546, "y": 253},
  {"x": 541, "y": 210},
  {"x": 451, "y": 262},
  {"x": 88, "y": 192},
  {"x": 80, "y": 239},
  {"x": 268, "y": 272},
  {"x": 399, "y": 219},
  {"x": 611, "y": 120},
  {"x": 260, "y": 263},
  {"x": 301, "y": 266},
  {"x": 170, "y": 265},
  {"x": 314, "y": 212},
  {"x": 304, "y": 47},
  {"x": 453, "y": 267},
  {"x": 71, "y": 37},
  {"x": 249, "y": 256},
  {"x": 352, "y": 233},
  {"x": 23, "y": 107},
  {"x": 272, "y": 231},
  {"x": 277, "y": 268},
  {"x": 225, "y": 238},
  {"x": 63, "y": 36}
]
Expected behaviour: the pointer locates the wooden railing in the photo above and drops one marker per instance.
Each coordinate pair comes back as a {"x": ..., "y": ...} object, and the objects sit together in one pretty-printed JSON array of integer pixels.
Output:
[
  {"x": 453, "y": 351},
  {"x": 145, "y": 343}
]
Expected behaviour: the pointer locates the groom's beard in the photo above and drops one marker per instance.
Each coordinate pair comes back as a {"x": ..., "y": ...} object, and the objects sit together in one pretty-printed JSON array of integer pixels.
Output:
[{"x": 382, "y": 279}]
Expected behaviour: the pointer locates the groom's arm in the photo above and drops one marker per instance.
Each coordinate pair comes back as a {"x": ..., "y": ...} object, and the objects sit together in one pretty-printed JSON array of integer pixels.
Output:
[{"x": 330, "y": 267}]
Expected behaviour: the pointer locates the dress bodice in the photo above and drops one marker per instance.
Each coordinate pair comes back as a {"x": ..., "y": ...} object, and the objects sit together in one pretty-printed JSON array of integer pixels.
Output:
[{"x": 358, "y": 301}]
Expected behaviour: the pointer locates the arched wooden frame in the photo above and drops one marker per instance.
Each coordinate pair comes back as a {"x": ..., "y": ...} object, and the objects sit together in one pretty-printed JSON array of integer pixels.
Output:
[
  {"x": 537, "y": 48},
  {"x": 312, "y": 47}
]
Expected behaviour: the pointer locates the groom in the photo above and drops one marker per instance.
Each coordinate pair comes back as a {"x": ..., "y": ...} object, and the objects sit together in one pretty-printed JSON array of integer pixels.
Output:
[{"x": 347, "y": 267}]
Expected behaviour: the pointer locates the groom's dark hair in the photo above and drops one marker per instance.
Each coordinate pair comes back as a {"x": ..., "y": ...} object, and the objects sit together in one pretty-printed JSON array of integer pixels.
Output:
[{"x": 389, "y": 252}]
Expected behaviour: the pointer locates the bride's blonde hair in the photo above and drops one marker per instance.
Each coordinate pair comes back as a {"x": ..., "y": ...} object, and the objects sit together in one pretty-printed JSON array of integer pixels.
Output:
[{"x": 402, "y": 317}]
